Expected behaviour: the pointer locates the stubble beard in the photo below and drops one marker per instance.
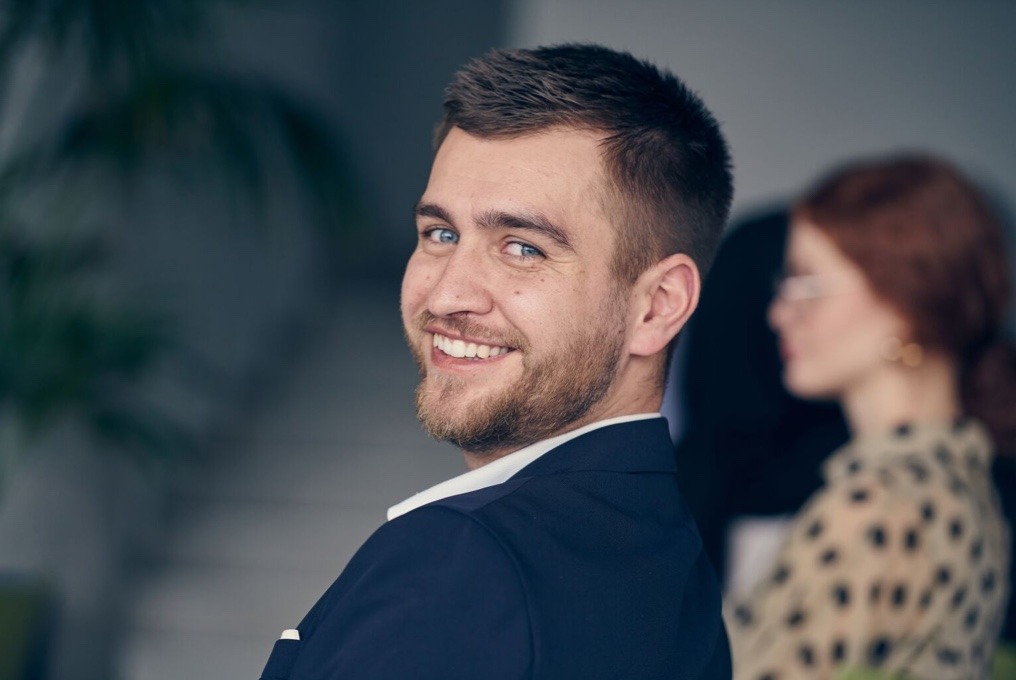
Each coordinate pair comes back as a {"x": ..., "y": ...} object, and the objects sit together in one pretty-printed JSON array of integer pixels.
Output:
[{"x": 553, "y": 392}]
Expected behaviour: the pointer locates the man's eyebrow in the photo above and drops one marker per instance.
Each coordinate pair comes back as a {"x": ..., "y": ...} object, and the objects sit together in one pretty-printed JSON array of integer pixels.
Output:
[
  {"x": 432, "y": 210},
  {"x": 535, "y": 222}
]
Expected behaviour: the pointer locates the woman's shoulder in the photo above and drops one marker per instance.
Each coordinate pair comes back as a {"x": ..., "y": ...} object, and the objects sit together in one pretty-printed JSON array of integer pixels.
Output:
[
  {"x": 945, "y": 441},
  {"x": 921, "y": 498}
]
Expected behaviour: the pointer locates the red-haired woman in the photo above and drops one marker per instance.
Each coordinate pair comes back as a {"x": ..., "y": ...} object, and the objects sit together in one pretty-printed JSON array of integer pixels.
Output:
[{"x": 893, "y": 304}]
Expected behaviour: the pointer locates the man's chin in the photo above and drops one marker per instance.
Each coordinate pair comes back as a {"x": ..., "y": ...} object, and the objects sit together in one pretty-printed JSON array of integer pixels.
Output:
[
  {"x": 470, "y": 424},
  {"x": 439, "y": 411}
]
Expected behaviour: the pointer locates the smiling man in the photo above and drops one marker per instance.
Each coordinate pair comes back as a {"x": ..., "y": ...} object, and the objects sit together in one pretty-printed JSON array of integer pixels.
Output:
[{"x": 575, "y": 200}]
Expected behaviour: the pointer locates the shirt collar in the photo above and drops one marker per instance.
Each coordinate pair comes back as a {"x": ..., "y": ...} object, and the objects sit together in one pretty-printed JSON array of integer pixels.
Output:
[
  {"x": 964, "y": 439},
  {"x": 502, "y": 469}
]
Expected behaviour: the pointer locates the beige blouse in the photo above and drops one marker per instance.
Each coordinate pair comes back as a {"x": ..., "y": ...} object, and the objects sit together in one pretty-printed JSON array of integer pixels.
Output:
[{"x": 899, "y": 562}]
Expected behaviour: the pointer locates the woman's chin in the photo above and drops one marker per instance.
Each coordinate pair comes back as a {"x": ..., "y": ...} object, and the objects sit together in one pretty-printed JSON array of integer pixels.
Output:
[{"x": 804, "y": 386}]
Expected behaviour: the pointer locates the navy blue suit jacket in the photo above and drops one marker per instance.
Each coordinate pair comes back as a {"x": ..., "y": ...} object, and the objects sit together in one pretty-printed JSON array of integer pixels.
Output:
[{"x": 586, "y": 564}]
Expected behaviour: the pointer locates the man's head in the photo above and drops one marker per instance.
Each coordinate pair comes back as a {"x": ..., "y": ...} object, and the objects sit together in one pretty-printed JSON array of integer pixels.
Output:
[
  {"x": 669, "y": 183},
  {"x": 575, "y": 195}
]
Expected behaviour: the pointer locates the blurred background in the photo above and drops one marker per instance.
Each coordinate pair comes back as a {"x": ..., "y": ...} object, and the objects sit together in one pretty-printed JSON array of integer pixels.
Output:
[{"x": 205, "y": 402}]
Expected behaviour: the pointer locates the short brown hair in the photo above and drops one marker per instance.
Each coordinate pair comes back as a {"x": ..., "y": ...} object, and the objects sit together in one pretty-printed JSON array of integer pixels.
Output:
[
  {"x": 667, "y": 162},
  {"x": 931, "y": 246}
]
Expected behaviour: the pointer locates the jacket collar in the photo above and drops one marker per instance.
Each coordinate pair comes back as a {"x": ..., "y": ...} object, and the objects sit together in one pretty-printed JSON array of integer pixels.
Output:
[
  {"x": 640, "y": 446},
  {"x": 625, "y": 444}
]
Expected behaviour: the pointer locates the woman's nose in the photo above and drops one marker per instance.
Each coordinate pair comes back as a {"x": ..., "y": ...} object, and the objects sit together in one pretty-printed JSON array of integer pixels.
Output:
[{"x": 778, "y": 314}]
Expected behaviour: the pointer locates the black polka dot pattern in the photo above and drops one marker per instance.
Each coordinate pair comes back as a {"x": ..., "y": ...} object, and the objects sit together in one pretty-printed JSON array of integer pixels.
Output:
[
  {"x": 899, "y": 596},
  {"x": 829, "y": 557},
  {"x": 796, "y": 618},
  {"x": 956, "y": 528},
  {"x": 879, "y": 650},
  {"x": 875, "y": 592},
  {"x": 919, "y": 471},
  {"x": 949, "y": 656},
  {"x": 958, "y": 597},
  {"x": 781, "y": 574},
  {"x": 897, "y": 564},
  {"x": 988, "y": 582},
  {"x": 971, "y": 619},
  {"x": 859, "y": 495},
  {"x": 976, "y": 551}
]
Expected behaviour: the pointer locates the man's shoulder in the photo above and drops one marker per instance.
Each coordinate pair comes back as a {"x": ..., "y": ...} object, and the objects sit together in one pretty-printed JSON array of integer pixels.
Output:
[{"x": 588, "y": 508}]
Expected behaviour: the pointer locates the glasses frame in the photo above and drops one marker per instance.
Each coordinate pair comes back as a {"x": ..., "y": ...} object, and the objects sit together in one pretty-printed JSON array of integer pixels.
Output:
[{"x": 810, "y": 287}]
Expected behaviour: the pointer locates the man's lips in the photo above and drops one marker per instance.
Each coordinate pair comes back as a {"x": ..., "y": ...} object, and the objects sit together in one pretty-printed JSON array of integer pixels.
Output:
[{"x": 466, "y": 348}]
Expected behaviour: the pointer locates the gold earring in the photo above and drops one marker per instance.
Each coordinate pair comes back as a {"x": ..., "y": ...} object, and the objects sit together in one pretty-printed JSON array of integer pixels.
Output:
[{"x": 909, "y": 354}]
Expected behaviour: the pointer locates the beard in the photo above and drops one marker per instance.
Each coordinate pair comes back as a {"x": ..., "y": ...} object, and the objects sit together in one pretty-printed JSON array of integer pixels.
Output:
[{"x": 553, "y": 392}]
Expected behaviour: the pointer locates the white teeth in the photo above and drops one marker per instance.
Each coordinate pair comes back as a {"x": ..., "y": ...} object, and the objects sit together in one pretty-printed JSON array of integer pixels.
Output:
[{"x": 460, "y": 349}]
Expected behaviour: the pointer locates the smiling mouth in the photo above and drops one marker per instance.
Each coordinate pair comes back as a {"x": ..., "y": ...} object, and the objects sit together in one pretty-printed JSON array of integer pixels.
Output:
[{"x": 460, "y": 349}]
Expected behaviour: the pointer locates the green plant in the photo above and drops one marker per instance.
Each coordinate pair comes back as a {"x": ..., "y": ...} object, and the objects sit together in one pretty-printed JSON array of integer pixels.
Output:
[
  {"x": 64, "y": 352},
  {"x": 143, "y": 96},
  {"x": 120, "y": 88},
  {"x": 27, "y": 613}
]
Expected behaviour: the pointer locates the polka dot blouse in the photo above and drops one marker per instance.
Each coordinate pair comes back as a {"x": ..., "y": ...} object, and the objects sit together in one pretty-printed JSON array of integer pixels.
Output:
[{"x": 898, "y": 563}]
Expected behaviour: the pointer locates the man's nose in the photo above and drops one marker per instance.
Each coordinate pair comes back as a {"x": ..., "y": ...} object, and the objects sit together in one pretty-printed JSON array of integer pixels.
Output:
[{"x": 462, "y": 286}]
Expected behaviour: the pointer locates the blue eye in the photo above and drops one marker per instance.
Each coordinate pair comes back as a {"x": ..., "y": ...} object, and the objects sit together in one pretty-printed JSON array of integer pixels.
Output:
[
  {"x": 524, "y": 250},
  {"x": 441, "y": 235}
]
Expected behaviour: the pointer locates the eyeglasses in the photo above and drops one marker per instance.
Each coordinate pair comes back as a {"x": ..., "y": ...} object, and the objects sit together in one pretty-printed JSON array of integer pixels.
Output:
[{"x": 802, "y": 287}]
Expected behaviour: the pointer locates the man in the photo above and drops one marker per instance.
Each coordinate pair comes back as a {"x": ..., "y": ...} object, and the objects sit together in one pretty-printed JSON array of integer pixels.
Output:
[{"x": 575, "y": 198}]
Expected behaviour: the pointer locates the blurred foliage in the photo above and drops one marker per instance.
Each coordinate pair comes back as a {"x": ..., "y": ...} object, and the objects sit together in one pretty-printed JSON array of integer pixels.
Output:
[
  {"x": 138, "y": 98},
  {"x": 1003, "y": 667},
  {"x": 27, "y": 615},
  {"x": 148, "y": 98},
  {"x": 858, "y": 673},
  {"x": 1003, "y": 664},
  {"x": 62, "y": 352}
]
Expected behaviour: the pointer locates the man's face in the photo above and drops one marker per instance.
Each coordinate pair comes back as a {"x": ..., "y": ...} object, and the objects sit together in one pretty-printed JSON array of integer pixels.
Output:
[{"x": 509, "y": 304}]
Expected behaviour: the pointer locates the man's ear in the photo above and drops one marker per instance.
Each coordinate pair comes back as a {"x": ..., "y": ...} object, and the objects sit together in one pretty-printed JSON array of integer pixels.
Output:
[{"x": 666, "y": 295}]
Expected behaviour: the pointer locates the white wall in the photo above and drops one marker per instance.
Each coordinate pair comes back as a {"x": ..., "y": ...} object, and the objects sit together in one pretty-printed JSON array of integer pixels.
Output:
[{"x": 800, "y": 85}]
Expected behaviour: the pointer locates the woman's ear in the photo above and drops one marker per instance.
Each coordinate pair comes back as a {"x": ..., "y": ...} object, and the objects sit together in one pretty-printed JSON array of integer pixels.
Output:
[{"x": 666, "y": 295}]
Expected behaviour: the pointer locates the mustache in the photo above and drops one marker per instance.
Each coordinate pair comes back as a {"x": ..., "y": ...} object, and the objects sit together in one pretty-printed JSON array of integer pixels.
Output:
[{"x": 463, "y": 326}]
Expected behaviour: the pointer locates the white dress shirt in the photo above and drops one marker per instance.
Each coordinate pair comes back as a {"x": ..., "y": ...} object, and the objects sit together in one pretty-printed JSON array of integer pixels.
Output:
[{"x": 502, "y": 469}]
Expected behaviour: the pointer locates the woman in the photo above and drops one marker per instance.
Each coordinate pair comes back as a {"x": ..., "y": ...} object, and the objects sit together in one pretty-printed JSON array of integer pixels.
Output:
[{"x": 893, "y": 305}]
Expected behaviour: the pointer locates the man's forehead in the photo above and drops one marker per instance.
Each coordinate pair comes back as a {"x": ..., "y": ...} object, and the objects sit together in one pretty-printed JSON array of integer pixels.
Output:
[{"x": 555, "y": 174}]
